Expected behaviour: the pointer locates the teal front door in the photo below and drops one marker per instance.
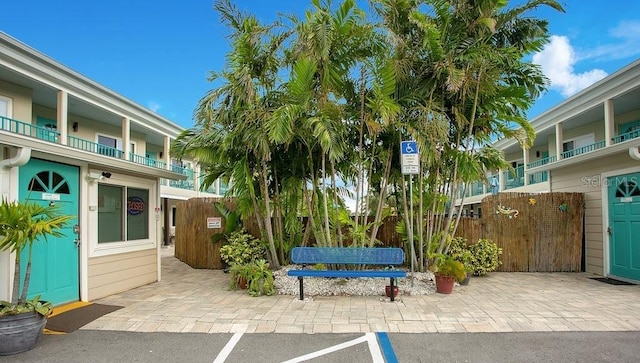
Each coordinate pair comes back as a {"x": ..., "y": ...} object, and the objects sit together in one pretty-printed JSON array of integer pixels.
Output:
[
  {"x": 54, "y": 267},
  {"x": 624, "y": 226}
]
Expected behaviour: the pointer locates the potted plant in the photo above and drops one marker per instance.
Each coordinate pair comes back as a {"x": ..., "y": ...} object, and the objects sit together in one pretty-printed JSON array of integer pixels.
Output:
[
  {"x": 241, "y": 248},
  {"x": 21, "y": 225},
  {"x": 255, "y": 276},
  {"x": 240, "y": 273},
  {"x": 459, "y": 250},
  {"x": 447, "y": 270},
  {"x": 261, "y": 280}
]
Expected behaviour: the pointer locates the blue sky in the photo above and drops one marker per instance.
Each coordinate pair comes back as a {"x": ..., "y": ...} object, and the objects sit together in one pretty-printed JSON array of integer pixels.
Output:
[{"x": 159, "y": 53}]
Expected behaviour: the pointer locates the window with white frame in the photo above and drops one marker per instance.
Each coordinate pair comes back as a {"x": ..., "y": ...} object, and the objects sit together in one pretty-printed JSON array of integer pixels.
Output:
[
  {"x": 123, "y": 213},
  {"x": 575, "y": 146},
  {"x": 5, "y": 106},
  {"x": 5, "y": 111},
  {"x": 109, "y": 146}
]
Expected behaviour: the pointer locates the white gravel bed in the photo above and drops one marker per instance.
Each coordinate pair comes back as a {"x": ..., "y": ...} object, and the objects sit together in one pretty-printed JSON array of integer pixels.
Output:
[{"x": 423, "y": 284}]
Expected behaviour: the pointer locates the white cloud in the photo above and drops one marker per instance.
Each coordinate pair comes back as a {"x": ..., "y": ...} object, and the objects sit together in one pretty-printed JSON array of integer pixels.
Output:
[
  {"x": 557, "y": 60},
  {"x": 153, "y": 106}
]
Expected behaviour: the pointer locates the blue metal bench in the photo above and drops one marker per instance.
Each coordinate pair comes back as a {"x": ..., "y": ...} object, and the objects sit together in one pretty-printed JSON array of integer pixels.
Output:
[{"x": 347, "y": 256}]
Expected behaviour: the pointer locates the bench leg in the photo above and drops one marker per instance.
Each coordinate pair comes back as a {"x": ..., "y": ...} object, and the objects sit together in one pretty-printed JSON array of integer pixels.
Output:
[
  {"x": 301, "y": 282},
  {"x": 391, "y": 283}
]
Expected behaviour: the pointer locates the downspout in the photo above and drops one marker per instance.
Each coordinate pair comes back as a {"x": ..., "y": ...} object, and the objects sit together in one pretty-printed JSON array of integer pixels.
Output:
[
  {"x": 634, "y": 152},
  {"x": 22, "y": 157}
]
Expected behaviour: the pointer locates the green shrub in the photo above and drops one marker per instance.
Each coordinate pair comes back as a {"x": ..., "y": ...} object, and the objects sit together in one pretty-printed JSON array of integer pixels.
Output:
[
  {"x": 486, "y": 256},
  {"x": 242, "y": 248},
  {"x": 459, "y": 250}
]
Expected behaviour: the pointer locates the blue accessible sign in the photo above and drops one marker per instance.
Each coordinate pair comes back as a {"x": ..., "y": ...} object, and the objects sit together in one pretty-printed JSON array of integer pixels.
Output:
[{"x": 410, "y": 160}]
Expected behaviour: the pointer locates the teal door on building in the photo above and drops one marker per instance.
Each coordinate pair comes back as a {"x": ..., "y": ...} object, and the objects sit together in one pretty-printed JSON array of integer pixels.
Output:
[
  {"x": 55, "y": 263},
  {"x": 624, "y": 225}
]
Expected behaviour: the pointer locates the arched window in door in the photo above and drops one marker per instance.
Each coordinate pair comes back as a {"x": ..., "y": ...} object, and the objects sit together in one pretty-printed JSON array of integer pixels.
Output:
[
  {"x": 627, "y": 188},
  {"x": 49, "y": 182}
]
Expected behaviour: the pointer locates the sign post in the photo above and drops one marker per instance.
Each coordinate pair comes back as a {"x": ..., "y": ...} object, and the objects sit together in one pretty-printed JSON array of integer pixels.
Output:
[{"x": 410, "y": 164}]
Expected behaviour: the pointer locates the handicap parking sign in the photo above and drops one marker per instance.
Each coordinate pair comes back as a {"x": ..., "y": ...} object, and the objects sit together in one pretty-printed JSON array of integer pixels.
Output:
[
  {"x": 409, "y": 147},
  {"x": 410, "y": 160}
]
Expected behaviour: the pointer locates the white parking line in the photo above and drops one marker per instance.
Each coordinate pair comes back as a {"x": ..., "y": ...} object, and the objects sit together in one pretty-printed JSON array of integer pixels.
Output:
[
  {"x": 369, "y": 338},
  {"x": 224, "y": 353}
]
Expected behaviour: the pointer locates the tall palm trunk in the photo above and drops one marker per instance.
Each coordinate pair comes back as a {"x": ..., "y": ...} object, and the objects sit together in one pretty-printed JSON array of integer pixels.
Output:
[{"x": 267, "y": 217}]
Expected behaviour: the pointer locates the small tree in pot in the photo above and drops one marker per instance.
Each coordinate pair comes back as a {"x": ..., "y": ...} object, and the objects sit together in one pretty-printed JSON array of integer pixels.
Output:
[{"x": 21, "y": 225}]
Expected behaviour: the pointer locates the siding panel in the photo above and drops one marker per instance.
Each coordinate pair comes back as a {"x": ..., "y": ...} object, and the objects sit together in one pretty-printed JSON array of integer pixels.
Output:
[
  {"x": 586, "y": 178},
  {"x": 116, "y": 273}
]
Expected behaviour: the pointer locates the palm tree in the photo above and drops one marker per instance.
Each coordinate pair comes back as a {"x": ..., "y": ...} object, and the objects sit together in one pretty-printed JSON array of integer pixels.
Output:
[
  {"x": 464, "y": 61},
  {"x": 229, "y": 139},
  {"x": 327, "y": 48},
  {"x": 21, "y": 225}
]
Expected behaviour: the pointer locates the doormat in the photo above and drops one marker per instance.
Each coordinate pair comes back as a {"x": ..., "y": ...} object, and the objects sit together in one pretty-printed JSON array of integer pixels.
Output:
[
  {"x": 611, "y": 281},
  {"x": 75, "y": 319}
]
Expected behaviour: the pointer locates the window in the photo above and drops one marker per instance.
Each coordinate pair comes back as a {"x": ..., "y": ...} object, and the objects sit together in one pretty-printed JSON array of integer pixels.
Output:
[
  {"x": 123, "y": 213},
  {"x": 109, "y": 146},
  {"x": 5, "y": 111},
  {"x": 575, "y": 146},
  {"x": 5, "y": 107}
]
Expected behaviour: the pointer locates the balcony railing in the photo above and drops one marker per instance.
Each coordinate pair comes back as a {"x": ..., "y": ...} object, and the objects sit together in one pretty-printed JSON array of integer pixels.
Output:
[
  {"x": 52, "y": 136},
  {"x": 539, "y": 177},
  {"x": 182, "y": 184},
  {"x": 541, "y": 162},
  {"x": 626, "y": 136},
  {"x": 139, "y": 159},
  {"x": 583, "y": 150},
  {"x": 514, "y": 178},
  {"x": 27, "y": 129}
]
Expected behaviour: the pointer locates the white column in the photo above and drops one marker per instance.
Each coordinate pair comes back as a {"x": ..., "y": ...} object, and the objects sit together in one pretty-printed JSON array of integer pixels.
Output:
[
  {"x": 126, "y": 138},
  {"x": 559, "y": 141},
  {"x": 165, "y": 151},
  {"x": 196, "y": 178},
  {"x": 63, "y": 112},
  {"x": 166, "y": 158},
  {"x": 609, "y": 122},
  {"x": 525, "y": 156}
]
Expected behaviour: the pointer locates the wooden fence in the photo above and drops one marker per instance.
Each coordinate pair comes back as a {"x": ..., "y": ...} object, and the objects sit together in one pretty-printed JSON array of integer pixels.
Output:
[
  {"x": 545, "y": 235},
  {"x": 195, "y": 219},
  {"x": 537, "y": 233}
]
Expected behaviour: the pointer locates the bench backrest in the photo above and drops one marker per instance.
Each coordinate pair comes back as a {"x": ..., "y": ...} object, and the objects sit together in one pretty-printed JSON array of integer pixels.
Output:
[{"x": 348, "y": 255}]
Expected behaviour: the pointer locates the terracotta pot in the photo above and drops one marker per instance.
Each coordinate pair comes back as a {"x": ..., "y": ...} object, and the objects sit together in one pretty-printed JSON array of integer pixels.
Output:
[
  {"x": 242, "y": 282},
  {"x": 444, "y": 284},
  {"x": 387, "y": 291}
]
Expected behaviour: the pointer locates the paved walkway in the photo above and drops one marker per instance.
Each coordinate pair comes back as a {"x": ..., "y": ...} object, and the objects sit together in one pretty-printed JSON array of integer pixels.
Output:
[{"x": 191, "y": 300}]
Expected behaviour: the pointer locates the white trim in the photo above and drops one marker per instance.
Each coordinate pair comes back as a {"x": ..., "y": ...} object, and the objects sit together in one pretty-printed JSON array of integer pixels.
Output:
[{"x": 604, "y": 190}]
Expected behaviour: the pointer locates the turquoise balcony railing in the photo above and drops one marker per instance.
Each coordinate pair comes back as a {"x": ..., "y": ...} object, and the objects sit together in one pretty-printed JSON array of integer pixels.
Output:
[
  {"x": 476, "y": 188},
  {"x": 48, "y": 135},
  {"x": 27, "y": 129},
  {"x": 541, "y": 162},
  {"x": 94, "y": 147},
  {"x": 583, "y": 150},
  {"x": 471, "y": 190},
  {"x": 626, "y": 136},
  {"x": 139, "y": 159},
  {"x": 182, "y": 184},
  {"x": 514, "y": 178},
  {"x": 539, "y": 177}
]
